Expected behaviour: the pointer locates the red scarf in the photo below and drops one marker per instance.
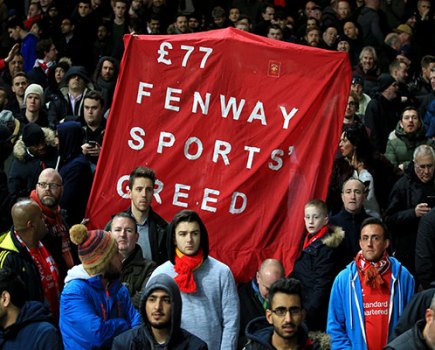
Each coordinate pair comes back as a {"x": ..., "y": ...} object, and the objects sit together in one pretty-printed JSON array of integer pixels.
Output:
[
  {"x": 53, "y": 219},
  {"x": 308, "y": 240},
  {"x": 184, "y": 266},
  {"x": 372, "y": 271},
  {"x": 48, "y": 272}
]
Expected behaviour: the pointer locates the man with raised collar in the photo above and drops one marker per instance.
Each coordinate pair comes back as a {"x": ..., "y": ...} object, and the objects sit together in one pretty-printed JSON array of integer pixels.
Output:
[{"x": 151, "y": 226}]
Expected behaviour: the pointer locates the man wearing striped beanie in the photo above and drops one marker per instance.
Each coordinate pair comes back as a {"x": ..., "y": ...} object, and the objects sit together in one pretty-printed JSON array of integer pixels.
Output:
[{"x": 95, "y": 307}]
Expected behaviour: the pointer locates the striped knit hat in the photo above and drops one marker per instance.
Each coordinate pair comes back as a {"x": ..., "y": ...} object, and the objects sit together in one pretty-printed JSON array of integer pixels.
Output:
[{"x": 96, "y": 248}]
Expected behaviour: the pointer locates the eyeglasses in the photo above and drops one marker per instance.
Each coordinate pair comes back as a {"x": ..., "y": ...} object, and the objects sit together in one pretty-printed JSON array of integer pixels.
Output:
[
  {"x": 51, "y": 186},
  {"x": 424, "y": 166},
  {"x": 282, "y": 311},
  {"x": 353, "y": 104}
]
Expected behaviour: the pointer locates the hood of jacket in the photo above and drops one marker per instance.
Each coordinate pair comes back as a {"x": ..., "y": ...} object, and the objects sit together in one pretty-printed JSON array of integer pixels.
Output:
[
  {"x": 31, "y": 312},
  {"x": 167, "y": 284},
  {"x": 77, "y": 273},
  {"x": 20, "y": 149},
  {"x": 334, "y": 236},
  {"x": 260, "y": 331},
  {"x": 413, "y": 138},
  {"x": 96, "y": 282},
  {"x": 70, "y": 140}
]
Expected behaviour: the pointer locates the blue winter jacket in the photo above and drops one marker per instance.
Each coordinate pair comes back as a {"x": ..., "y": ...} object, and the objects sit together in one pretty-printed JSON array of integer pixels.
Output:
[
  {"x": 91, "y": 315},
  {"x": 346, "y": 325}
]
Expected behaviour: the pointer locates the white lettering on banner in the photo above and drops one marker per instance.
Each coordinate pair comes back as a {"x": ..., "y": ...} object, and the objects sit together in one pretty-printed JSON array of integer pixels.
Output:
[
  {"x": 227, "y": 105},
  {"x": 136, "y": 134},
  {"x": 197, "y": 99},
  {"x": 142, "y": 92},
  {"x": 178, "y": 194},
  {"x": 241, "y": 209},
  {"x": 221, "y": 149},
  {"x": 180, "y": 198},
  {"x": 207, "y": 199},
  {"x": 190, "y": 141},
  {"x": 157, "y": 191},
  {"x": 164, "y": 46},
  {"x": 163, "y": 53},
  {"x": 251, "y": 151},
  {"x": 120, "y": 186},
  {"x": 123, "y": 194},
  {"x": 166, "y": 139},
  {"x": 170, "y": 98}
]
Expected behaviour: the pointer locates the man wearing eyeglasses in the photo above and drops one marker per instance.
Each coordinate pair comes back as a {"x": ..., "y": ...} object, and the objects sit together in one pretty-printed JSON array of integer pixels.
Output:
[
  {"x": 369, "y": 295},
  {"x": 283, "y": 326},
  {"x": 412, "y": 197},
  {"x": 47, "y": 194}
]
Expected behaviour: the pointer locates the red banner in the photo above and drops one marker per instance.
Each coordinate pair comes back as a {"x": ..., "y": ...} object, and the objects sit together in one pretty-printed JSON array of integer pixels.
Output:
[{"x": 240, "y": 128}]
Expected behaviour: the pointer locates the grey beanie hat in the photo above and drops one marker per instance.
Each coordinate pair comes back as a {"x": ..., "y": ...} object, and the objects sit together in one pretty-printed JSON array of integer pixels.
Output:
[{"x": 34, "y": 89}]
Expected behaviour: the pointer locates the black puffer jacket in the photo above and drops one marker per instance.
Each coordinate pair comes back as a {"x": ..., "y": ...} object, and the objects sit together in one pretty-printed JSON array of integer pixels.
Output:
[
  {"x": 400, "y": 216},
  {"x": 26, "y": 168},
  {"x": 316, "y": 269}
]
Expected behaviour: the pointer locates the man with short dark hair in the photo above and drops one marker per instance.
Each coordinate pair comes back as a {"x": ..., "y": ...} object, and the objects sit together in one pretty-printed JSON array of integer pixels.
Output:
[
  {"x": 369, "y": 295},
  {"x": 24, "y": 324},
  {"x": 19, "y": 86},
  {"x": 135, "y": 269},
  {"x": 421, "y": 86},
  {"x": 46, "y": 54},
  {"x": 180, "y": 25},
  {"x": 93, "y": 130},
  {"x": 285, "y": 314},
  {"x": 18, "y": 32},
  {"x": 161, "y": 311},
  {"x": 267, "y": 15},
  {"x": 274, "y": 32},
  {"x": 151, "y": 226}
]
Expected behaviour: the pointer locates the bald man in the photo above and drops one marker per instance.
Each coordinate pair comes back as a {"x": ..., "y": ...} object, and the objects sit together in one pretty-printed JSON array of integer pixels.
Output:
[
  {"x": 47, "y": 195},
  {"x": 21, "y": 250},
  {"x": 253, "y": 295}
]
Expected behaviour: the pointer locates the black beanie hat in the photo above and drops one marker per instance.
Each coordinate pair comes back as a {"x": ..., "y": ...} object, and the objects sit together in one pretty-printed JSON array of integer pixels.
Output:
[
  {"x": 32, "y": 134},
  {"x": 385, "y": 80}
]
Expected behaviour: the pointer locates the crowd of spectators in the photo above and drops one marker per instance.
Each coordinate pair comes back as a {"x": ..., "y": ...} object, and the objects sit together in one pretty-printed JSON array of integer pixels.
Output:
[{"x": 57, "y": 79}]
